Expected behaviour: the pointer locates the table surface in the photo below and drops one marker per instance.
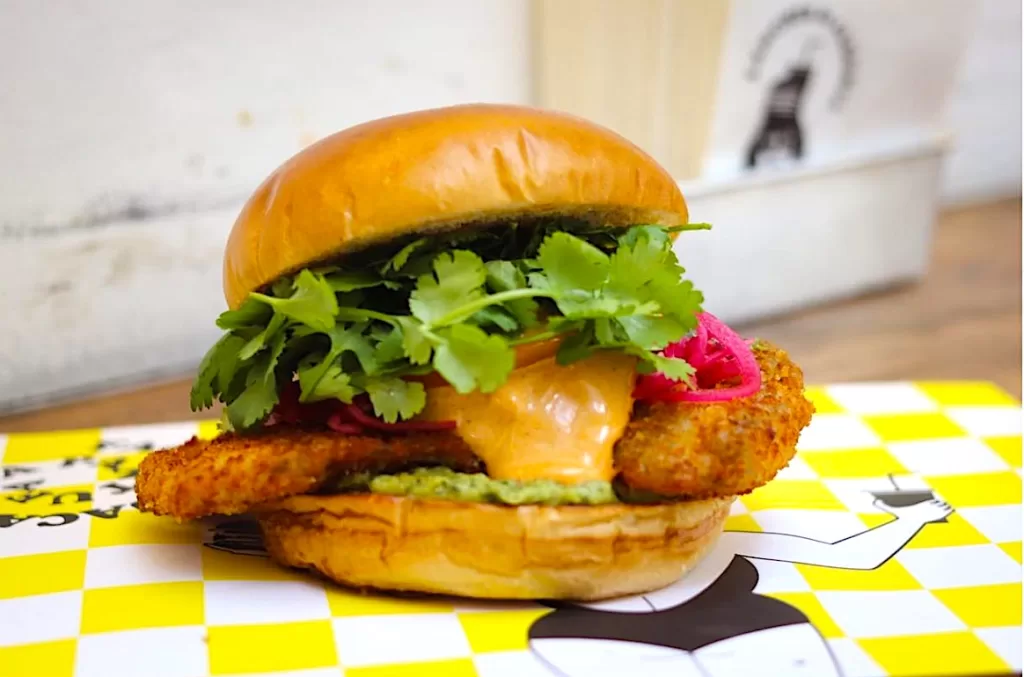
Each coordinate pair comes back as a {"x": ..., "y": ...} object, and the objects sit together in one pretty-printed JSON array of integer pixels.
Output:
[{"x": 963, "y": 321}]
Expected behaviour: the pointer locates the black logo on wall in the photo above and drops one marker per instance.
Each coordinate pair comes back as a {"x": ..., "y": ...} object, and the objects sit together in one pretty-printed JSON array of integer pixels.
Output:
[{"x": 781, "y": 134}]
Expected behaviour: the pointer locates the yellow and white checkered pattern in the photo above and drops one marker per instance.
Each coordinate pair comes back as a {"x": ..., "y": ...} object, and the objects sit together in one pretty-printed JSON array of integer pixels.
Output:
[{"x": 90, "y": 586}]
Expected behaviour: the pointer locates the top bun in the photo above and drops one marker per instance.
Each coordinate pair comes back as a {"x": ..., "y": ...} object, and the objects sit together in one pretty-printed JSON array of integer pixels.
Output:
[{"x": 440, "y": 169}]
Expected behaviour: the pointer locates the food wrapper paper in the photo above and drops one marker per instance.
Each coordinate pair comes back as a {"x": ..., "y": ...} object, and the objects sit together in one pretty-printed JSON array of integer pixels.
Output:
[{"x": 891, "y": 545}]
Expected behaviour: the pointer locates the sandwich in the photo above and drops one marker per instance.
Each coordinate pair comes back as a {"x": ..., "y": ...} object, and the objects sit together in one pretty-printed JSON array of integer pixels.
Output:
[{"x": 461, "y": 356}]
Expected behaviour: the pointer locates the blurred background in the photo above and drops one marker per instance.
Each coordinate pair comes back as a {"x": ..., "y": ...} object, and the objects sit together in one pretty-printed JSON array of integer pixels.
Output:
[{"x": 859, "y": 159}]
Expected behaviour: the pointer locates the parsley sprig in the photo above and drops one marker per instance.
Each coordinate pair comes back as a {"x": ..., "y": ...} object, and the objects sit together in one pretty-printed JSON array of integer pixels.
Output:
[{"x": 456, "y": 307}]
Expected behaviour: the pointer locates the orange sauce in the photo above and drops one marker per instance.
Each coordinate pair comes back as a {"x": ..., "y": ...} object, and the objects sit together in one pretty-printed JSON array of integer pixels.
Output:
[{"x": 547, "y": 421}]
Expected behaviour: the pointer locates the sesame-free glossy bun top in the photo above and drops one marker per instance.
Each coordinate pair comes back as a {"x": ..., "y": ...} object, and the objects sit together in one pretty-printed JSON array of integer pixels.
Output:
[{"x": 435, "y": 170}]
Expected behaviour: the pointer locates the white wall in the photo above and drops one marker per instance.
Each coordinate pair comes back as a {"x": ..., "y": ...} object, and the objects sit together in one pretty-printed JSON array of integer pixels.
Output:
[
  {"x": 985, "y": 110},
  {"x": 130, "y": 132},
  {"x": 124, "y": 105}
]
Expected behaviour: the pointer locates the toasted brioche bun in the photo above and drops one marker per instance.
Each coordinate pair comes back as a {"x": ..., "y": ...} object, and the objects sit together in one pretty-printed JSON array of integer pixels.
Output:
[
  {"x": 435, "y": 170},
  {"x": 490, "y": 551}
]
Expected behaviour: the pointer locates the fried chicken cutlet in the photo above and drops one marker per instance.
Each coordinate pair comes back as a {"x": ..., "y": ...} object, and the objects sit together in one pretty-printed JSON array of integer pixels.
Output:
[
  {"x": 677, "y": 450},
  {"x": 691, "y": 450},
  {"x": 231, "y": 473}
]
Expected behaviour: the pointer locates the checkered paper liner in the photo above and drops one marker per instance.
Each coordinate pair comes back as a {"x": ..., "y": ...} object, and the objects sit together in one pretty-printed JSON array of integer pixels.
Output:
[{"x": 89, "y": 586}]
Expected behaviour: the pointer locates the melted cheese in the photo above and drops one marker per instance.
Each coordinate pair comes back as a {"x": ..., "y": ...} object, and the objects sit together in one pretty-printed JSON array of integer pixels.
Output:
[{"x": 546, "y": 421}]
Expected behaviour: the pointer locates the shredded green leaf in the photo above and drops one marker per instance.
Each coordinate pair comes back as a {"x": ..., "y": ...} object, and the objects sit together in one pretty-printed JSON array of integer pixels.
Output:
[{"x": 456, "y": 305}]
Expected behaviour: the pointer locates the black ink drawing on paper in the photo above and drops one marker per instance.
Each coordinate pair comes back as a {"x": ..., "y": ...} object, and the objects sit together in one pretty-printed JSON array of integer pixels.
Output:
[
  {"x": 711, "y": 623},
  {"x": 780, "y": 137}
]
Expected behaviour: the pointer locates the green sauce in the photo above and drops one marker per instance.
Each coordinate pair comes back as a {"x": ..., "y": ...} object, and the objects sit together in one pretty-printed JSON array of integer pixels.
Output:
[{"x": 447, "y": 484}]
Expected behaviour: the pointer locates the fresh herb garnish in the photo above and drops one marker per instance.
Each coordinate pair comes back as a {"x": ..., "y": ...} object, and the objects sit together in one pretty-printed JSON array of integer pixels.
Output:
[{"x": 457, "y": 307}]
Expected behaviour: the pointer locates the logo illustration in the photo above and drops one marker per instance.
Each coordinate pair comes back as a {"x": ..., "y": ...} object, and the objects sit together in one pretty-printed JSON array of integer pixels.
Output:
[{"x": 781, "y": 137}]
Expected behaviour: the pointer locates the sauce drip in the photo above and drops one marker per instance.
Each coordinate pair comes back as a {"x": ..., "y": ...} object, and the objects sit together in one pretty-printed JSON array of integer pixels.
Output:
[{"x": 547, "y": 421}]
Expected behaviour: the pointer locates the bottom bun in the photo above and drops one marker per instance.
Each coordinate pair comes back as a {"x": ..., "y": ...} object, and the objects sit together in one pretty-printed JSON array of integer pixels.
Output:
[{"x": 491, "y": 551}]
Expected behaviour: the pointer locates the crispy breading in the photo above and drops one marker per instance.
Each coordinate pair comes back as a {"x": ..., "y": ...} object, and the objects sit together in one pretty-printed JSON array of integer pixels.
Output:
[
  {"x": 704, "y": 450},
  {"x": 230, "y": 474},
  {"x": 680, "y": 450}
]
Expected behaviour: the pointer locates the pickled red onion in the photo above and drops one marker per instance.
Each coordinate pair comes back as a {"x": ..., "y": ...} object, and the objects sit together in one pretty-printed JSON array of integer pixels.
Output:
[
  {"x": 652, "y": 386},
  {"x": 348, "y": 419},
  {"x": 730, "y": 358},
  {"x": 360, "y": 417},
  {"x": 691, "y": 350},
  {"x": 336, "y": 423}
]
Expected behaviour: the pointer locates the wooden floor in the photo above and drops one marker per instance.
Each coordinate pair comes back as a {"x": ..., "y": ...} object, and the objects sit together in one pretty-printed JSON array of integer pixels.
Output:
[{"x": 962, "y": 322}]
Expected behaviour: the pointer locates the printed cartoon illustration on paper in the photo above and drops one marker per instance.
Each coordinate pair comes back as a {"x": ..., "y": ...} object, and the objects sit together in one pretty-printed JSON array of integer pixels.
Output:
[
  {"x": 712, "y": 623},
  {"x": 237, "y": 536},
  {"x": 840, "y": 569}
]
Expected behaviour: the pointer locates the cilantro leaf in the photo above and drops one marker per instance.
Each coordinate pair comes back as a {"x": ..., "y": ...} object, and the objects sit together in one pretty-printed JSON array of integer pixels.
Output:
[
  {"x": 281, "y": 289},
  {"x": 350, "y": 299},
  {"x": 415, "y": 342},
  {"x": 651, "y": 331},
  {"x": 229, "y": 361},
  {"x": 457, "y": 279},
  {"x": 576, "y": 346},
  {"x": 277, "y": 346},
  {"x": 645, "y": 271},
  {"x": 678, "y": 299},
  {"x": 505, "y": 276},
  {"x": 495, "y": 316},
  {"x": 656, "y": 234},
  {"x": 470, "y": 359},
  {"x": 418, "y": 266},
  {"x": 201, "y": 396},
  {"x": 394, "y": 398},
  {"x": 570, "y": 264},
  {"x": 605, "y": 331},
  {"x": 688, "y": 226},
  {"x": 324, "y": 381},
  {"x": 252, "y": 313},
  {"x": 672, "y": 367},
  {"x": 253, "y": 405},
  {"x": 389, "y": 346},
  {"x": 348, "y": 282},
  {"x": 343, "y": 331},
  {"x": 398, "y": 261},
  {"x": 577, "y": 272},
  {"x": 224, "y": 423},
  {"x": 581, "y": 306},
  {"x": 259, "y": 341},
  {"x": 312, "y": 303},
  {"x": 353, "y": 341},
  {"x": 639, "y": 256},
  {"x": 259, "y": 396},
  {"x": 343, "y": 340},
  {"x": 310, "y": 370}
]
